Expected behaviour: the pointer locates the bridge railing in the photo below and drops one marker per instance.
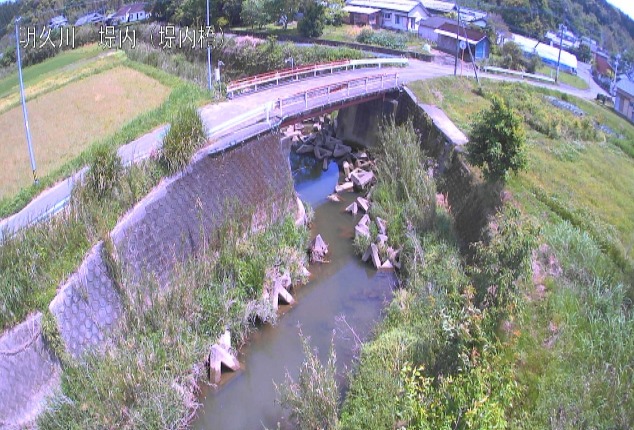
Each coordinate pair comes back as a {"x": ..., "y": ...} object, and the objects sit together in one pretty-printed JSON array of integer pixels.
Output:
[
  {"x": 252, "y": 83},
  {"x": 309, "y": 98}
]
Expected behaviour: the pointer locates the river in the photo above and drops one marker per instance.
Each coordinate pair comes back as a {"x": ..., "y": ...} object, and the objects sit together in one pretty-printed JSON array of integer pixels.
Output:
[{"x": 341, "y": 296}]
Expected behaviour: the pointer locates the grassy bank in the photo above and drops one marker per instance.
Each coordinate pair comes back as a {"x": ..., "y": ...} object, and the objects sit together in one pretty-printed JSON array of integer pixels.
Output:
[
  {"x": 575, "y": 172},
  {"x": 480, "y": 343},
  {"x": 148, "y": 378}
]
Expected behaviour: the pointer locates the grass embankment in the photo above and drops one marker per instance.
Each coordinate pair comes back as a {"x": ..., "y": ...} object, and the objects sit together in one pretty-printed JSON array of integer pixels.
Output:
[
  {"x": 564, "y": 77},
  {"x": 148, "y": 378},
  {"x": 181, "y": 94},
  {"x": 554, "y": 352},
  {"x": 574, "y": 172}
]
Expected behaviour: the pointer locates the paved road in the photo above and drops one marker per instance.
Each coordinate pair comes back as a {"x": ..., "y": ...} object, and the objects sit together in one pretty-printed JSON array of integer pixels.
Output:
[{"x": 54, "y": 199}]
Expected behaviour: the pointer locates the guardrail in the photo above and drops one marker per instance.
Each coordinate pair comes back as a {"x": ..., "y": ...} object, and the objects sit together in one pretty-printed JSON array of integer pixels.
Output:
[
  {"x": 519, "y": 74},
  {"x": 252, "y": 83}
]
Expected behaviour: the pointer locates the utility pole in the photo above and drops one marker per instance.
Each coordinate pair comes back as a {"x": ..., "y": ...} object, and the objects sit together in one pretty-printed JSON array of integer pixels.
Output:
[
  {"x": 475, "y": 68},
  {"x": 455, "y": 67},
  {"x": 208, "y": 53},
  {"x": 24, "y": 112},
  {"x": 562, "y": 28},
  {"x": 617, "y": 61}
]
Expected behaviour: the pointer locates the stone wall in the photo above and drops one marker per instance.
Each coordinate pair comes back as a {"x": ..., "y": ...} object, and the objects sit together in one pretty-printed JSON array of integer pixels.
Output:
[{"x": 250, "y": 182}]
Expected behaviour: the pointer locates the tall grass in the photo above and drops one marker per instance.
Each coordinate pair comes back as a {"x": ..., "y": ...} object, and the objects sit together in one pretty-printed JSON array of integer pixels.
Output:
[
  {"x": 148, "y": 376},
  {"x": 185, "y": 136}
]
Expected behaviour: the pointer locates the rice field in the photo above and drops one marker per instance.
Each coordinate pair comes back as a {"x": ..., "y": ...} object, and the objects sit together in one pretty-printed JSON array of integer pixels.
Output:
[{"x": 66, "y": 121}]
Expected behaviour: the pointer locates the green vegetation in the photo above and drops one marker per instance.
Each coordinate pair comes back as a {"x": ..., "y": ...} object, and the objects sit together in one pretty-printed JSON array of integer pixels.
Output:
[
  {"x": 405, "y": 196},
  {"x": 497, "y": 142},
  {"x": 314, "y": 397},
  {"x": 514, "y": 335},
  {"x": 312, "y": 24},
  {"x": 185, "y": 136},
  {"x": 105, "y": 172},
  {"x": 438, "y": 360},
  {"x": 387, "y": 39},
  {"x": 36, "y": 260},
  {"x": 36, "y": 73},
  {"x": 564, "y": 77},
  {"x": 148, "y": 378}
]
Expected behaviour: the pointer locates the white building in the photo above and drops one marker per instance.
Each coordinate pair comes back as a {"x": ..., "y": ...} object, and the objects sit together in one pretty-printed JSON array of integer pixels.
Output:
[{"x": 548, "y": 54}]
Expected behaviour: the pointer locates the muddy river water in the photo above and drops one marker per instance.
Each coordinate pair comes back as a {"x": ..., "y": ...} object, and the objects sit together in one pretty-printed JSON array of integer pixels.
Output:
[{"x": 342, "y": 295}]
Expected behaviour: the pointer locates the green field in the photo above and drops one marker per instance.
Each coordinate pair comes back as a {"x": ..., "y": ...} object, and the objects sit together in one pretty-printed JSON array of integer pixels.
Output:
[
  {"x": 62, "y": 63},
  {"x": 564, "y": 78}
]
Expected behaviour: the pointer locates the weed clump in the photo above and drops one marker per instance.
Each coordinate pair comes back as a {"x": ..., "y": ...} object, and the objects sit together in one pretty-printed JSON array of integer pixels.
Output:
[
  {"x": 105, "y": 172},
  {"x": 313, "y": 397},
  {"x": 185, "y": 136}
]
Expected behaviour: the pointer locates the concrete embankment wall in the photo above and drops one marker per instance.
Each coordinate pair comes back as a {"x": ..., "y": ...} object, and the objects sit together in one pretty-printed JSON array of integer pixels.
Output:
[
  {"x": 251, "y": 183},
  {"x": 360, "y": 123}
]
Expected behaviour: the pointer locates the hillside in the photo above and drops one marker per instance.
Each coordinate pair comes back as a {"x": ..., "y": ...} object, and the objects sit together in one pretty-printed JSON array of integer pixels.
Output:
[{"x": 593, "y": 18}]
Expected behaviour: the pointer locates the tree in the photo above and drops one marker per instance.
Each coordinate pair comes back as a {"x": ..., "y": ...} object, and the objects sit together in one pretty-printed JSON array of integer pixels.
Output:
[
  {"x": 312, "y": 24},
  {"x": 512, "y": 56},
  {"x": 335, "y": 15},
  {"x": 287, "y": 8},
  {"x": 256, "y": 12},
  {"x": 497, "y": 141}
]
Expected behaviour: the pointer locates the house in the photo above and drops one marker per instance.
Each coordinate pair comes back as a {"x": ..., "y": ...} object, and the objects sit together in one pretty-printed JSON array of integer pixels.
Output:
[
  {"x": 450, "y": 34},
  {"x": 131, "y": 13},
  {"x": 624, "y": 102},
  {"x": 548, "y": 54},
  {"x": 473, "y": 17},
  {"x": 568, "y": 40},
  {"x": 58, "y": 21},
  {"x": 437, "y": 7},
  {"x": 427, "y": 28},
  {"x": 359, "y": 15},
  {"x": 602, "y": 64},
  {"x": 91, "y": 18},
  {"x": 404, "y": 15}
]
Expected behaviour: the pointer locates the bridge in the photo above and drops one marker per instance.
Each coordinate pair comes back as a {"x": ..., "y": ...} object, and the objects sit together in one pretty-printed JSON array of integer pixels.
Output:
[{"x": 260, "y": 103}]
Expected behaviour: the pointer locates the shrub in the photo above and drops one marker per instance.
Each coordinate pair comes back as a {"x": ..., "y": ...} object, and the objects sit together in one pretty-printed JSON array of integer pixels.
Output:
[
  {"x": 387, "y": 39},
  {"x": 497, "y": 142},
  {"x": 105, "y": 172},
  {"x": 313, "y": 398},
  {"x": 185, "y": 136}
]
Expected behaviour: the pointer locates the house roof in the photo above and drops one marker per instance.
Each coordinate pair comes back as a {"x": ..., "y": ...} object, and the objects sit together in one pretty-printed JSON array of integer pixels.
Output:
[
  {"x": 438, "y": 6},
  {"x": 456, "y": 32},
  {"x": 91, "y": 17},
  {"x": 546, "y": 52},
  {"x": 625, "y": 86},
  {"x": 59, "y": 19},
  {"x": 436, "y": 21},
  {"x": 396, "y": 5},
  {"x": 471, "y": 15},
  {"x": 130, "y": 8},
  {"x": 361, "y": 10}
]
